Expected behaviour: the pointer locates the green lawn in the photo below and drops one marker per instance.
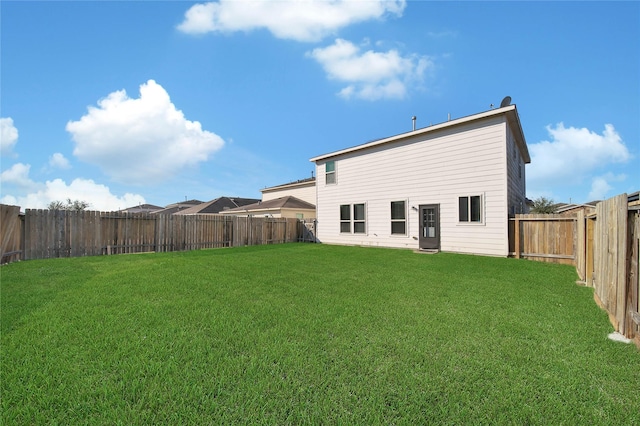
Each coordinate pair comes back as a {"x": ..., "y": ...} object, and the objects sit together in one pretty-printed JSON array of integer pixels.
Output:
[{"x": 308, "y": 334}]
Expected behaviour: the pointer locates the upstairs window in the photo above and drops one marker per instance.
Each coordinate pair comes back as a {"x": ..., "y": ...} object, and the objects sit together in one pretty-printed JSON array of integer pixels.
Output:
[
  {"x": 470, "y": 209},
  {"x": 330, "y": 172},
  {"x": 398, "y": 218}
]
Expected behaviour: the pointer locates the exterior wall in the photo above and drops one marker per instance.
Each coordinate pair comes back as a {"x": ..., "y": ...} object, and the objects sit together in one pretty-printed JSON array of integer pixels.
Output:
[
  {"x": 436, "y": 167},
  {"x": 516, "y": 176},
  {"x": 293, "y": 213},
  {"x": 305, "y": 192}
]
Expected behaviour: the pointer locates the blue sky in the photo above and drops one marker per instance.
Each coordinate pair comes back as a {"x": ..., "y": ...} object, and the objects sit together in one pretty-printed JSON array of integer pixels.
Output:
[{"x": 122, "y": 103}]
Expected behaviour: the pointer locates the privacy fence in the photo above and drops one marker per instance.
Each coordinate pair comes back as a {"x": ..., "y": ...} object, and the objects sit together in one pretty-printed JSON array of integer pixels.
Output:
[
  {"x": 603, "y": 246},
  {"x": 43, "y": 234}
]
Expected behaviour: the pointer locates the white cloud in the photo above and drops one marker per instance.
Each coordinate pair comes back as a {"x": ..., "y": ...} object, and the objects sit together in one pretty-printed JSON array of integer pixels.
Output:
[
  {"x": 98, "y": 196},
  {"x": 58, "y": 161},
  {"x": 301, "y": 20},
  {"x": 600, "y": 185},
  {"x": 8, "y": 135},
  {"x": 143, "y": 140},
  {"x": 573, "y": 154},
  {"x": 18, "y": 175},
  {"x": 370, "y": 75}
]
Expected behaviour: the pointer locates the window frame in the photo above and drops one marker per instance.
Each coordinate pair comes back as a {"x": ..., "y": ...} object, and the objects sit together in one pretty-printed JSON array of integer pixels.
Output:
[
  {"x": 330, "y": 173},
  {"x": 396, "y": 220},
  {"x": 360, "y": 221},
  {"x": 343, "y": 220},
  {"x": 468, "y": 218},
  {"x": 354, "y": 217}
]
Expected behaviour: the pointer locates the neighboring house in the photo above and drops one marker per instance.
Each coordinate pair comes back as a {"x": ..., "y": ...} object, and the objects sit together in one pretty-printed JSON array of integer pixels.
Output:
[
  {"x": 218, "y": 206},
  {"x": 571, "y": 209},
  {"x": 142, "y": 208},
  {"x": 304, "y": 189},
  {"x": 288, "y": 206},
  {"x": 176, "y": 207},
  {"x": 450, "y": 186}
]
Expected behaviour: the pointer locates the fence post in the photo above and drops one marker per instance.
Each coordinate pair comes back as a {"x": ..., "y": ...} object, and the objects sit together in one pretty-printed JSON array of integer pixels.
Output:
[{"x": 516, "y": 229}]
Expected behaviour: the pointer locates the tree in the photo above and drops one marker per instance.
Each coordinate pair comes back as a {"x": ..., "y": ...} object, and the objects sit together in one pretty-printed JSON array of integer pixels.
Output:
[
  {"x": 543, "y": 205},
  {"x": 75, "y": 205}
]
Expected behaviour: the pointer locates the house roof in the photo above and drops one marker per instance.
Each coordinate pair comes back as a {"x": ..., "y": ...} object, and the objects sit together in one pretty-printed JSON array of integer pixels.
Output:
[
  {"x": 142, "y": 208},
  {"x": 297, "y": 183},
  {"x": 288, "y": 202},
  {"x": 509, "y": 111},
  {"x": 175, "y": 207},
  {"x": 219, "y": 205}
]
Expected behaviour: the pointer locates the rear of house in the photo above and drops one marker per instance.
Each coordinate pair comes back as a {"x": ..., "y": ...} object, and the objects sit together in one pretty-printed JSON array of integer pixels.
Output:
[{"x": 450, "y": 187}]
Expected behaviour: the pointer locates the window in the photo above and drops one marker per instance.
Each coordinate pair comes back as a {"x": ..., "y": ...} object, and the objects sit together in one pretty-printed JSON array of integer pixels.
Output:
[
  {"x": 330, "y": 172},
  {"x": 345, "y": 218},
  {"x": 359, "y": 224},
  {"x": 353, "y": 214},
  {"x": 519, "y": 169},
  {"x": 299, "y": 215},
  {"x": 469, "y": 209},
  {"x": 398, "y": 218}
]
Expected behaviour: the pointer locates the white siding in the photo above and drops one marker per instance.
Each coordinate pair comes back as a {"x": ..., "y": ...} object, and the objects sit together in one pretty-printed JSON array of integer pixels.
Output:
[
  {"x": 432, "y": 168},
  {"x": 306, "y": 192},
  {"x": 516, "y": 176}
]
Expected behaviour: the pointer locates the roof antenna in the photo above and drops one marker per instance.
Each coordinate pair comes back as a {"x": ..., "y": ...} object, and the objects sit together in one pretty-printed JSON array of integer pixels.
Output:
[
  {"x": 413, "y": 119},
  {"x": 311, "y": 174}
]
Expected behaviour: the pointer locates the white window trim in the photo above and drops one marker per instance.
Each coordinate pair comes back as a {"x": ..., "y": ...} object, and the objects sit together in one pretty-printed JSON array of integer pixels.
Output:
[
  {"x": 406, "y": 220},
  {"x": 341, "y": 221},
  {"x": 483, "y": 210},
  {"x": 352, "y": 220},
  {"x": 334, "y": 172}
]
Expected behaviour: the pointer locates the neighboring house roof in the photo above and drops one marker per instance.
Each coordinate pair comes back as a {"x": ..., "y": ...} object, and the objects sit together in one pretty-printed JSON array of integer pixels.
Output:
[
  {"x": 297, "y": 183},
  {"x": 175, "y": 207},
  {"x": 510, "y": 112},
  {"x": 142, "y": 208},
  {"x": 563, "y": 207},
  {"x": 288, "y": 202},
  {"x": 219, "y": 205}
]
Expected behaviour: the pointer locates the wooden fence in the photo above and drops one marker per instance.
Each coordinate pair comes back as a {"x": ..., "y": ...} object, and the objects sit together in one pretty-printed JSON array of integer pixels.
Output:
[
  {"x": 612, "y": 268},
  {"x": 10, "y": 233},
  {"x": 602, "y": 246},
  {"x": 543, "y": 237},
  {"x": 43, "y": 234}
]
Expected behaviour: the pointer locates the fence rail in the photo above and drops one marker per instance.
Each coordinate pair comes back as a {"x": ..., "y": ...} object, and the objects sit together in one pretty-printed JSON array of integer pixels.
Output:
[{"x": 43, "y": 234}]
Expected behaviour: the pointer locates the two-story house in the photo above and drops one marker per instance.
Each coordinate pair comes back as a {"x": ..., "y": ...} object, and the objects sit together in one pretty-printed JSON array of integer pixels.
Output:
[{"x": 450, "y": 187}]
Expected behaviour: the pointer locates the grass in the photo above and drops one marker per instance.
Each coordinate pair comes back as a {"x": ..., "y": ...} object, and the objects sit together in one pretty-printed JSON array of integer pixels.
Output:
[{"x": 308, "y": 334}]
